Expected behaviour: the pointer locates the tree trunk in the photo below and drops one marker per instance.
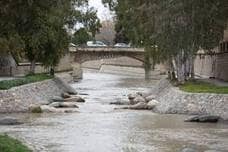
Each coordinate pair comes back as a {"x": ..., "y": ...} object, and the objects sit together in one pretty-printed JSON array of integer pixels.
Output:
[
  {"x": 192, "y": 72},
  {"x": 32, "y": 67},
  {"x": 180, "y": 68}
]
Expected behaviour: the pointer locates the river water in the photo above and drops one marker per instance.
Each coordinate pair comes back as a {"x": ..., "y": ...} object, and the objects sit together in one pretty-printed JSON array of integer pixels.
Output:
[{"x": 97, "y": 127}]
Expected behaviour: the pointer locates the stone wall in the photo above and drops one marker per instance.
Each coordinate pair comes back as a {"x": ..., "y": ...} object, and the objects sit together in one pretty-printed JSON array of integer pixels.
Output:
[
  {"x": 19, "y": 99},
  {"x": 21, "y": 69},
  {"x": 212, "y": 66},
  {"x": 6, "y": 65},
  {"x": 172, "y": 101},
  {"x": 221, "y": 69}
]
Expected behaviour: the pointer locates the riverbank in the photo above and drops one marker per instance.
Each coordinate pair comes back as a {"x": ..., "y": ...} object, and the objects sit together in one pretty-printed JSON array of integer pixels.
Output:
[
  {"x": 8, "y": 144},
  {"x": 174, "y": 101},
  {"x": 19, "y": 99}
]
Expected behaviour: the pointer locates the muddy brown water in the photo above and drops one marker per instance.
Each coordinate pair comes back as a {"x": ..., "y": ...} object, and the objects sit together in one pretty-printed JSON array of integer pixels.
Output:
[{"x": 97, "y": 127}]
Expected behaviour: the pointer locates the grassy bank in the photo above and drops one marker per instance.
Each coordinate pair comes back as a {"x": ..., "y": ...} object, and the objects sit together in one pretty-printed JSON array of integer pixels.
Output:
[
  {"x": 203, "y": 87},
  {"x": 8, "y": 144},
  {"x": 7, "y": 84}
]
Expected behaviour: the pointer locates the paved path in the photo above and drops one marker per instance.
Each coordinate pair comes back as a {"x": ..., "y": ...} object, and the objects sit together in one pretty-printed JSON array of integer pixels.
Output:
[{"x": 6, "y": 78}]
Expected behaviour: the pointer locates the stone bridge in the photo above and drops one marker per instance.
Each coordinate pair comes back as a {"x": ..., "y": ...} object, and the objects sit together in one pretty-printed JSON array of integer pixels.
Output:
[{"x": 82, "y": 55}]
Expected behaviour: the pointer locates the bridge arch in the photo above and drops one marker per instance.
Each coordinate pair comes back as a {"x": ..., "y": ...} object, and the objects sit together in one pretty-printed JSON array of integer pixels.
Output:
[{"x": 82, "y": 55}]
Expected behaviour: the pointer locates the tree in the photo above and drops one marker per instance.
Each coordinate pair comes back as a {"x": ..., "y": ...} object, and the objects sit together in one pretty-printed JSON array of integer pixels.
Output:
[
  {"x": 91, "y": 22},
  {"x": 40, "y": 29},
  {"x": 81, "y": 36},
  {"x": 10, "y": 41},
  {"x": 172, "y": 31}
]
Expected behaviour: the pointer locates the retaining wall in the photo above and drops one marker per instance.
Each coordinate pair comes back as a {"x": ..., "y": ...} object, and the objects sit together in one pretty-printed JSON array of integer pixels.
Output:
[{"x": 174, "y": 101}]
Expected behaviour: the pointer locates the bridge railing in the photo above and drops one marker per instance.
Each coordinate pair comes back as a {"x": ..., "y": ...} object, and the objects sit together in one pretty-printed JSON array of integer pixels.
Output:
[{"x": 106, "y": 49}]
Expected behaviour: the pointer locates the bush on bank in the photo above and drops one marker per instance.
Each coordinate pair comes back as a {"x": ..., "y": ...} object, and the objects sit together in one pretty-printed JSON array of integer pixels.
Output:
[
  {"x": 8, "y": 144},
  {"x": 7, "y": 84},
  {"x": 203, "y": 87}
]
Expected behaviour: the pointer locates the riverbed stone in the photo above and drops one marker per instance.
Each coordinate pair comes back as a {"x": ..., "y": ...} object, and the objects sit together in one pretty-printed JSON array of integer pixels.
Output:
[
  {"x": 65, "y": 95},
  {"x": 63, "y": 105},
  {"x": 152, "y": 104},
  {"x": 138, "y": 99},
  {"x": 64, "y": 86},
  {"x": 10, "y": 121},
  {"x": 203, "y": 119},
  {"x": 120, "y": 103},
  {"x": 35, "y": 109},
  {"x": 212, "y": 151},
  {"x": 138, "y": 106},
  {"x": 55, "y": 104},
  {"x": 189, "y": 150},
  {"x": 131, "y": 96},
  {"x": 149, "y": 98},
  {"x": 57, "y": 99},
  {"x": 48, "y": 109},
  {"x": 68, "y": 105},
  {"x": 74, "y": 99}
]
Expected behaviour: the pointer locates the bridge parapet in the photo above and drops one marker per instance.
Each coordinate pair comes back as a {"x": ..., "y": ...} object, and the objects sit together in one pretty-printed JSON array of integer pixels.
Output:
[{"x": 106, "y": 49}]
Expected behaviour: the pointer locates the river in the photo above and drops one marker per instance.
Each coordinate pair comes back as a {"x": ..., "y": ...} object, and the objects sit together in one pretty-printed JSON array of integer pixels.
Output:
[{"x": 97, "y": 127}]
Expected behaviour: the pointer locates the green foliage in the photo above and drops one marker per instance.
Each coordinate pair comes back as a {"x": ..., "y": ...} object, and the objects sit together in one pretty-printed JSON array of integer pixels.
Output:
[
  {"x": 179, "y": 28},
  {"x": 81, "y": 37},
  {"x": 40, "y": 30},
  {"x": 91, "y": 21},
  {"x": 203, "y": 87},
  {"x": 7, "y": 84},
  {"x": 8, "y": 144}
]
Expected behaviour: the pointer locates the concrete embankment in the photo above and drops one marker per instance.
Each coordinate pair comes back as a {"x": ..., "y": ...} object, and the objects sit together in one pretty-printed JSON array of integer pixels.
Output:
[
  {"x": 19, "y": 99},
  {"x": 174, "y": 101}
]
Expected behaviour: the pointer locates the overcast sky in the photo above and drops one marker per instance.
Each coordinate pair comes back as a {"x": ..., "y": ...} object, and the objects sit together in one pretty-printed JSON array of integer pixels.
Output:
[{"x": 103, "y": 12}]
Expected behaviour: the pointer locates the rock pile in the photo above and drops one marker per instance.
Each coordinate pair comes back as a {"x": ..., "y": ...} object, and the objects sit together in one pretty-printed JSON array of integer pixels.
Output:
[
  {"x": 67, "y": 103},
  {"x": 140, "y": 101}
]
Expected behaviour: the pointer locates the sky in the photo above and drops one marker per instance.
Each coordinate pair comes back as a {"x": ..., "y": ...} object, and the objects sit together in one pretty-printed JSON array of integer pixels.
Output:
[{"x": 103, "y": 12}]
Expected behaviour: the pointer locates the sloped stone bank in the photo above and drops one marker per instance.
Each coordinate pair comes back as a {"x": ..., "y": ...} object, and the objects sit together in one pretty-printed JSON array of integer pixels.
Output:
[
  {"x": 174, "y": 101},
  {"x": 19, "y": 99}
]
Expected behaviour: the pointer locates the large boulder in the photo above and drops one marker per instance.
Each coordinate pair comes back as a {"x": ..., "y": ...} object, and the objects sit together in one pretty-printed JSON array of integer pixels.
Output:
[
  {"x": 137, "y": 99},
  {"x": 189, "y": 150},
  {"x": 74, "y": 99},
  {"x": 63, "y": 105},
  {"x": 48, "y": 109},
  {"x": 65, "y": 86},
  {"x": 68, "y": 105},
  {"x": 138, "y": 106},
  {"x": 65, "y": 95},
  {"x": 143, "y": 94},
  {"x": 10, "y": 121},
  {"x": 35, "y": 109},
  {"x": 152, "y": 104},
  {"x": 120, "y": 103},
  {"x": 57, "y": 99},
  {"x": 149, "y": 98},
  {"x": 131, "y": 96},
  {"x": 203, "y": 119}
]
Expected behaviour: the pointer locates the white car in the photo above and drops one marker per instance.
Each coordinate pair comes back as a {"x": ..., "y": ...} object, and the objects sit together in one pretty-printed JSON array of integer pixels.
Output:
[
  {"x": 123, "y": 45},
  {"x": 96, "y": 44}
]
